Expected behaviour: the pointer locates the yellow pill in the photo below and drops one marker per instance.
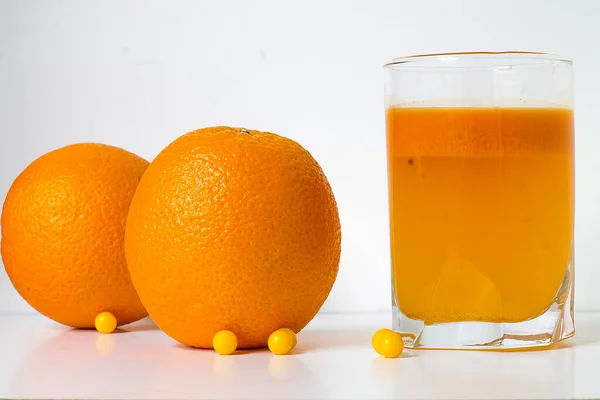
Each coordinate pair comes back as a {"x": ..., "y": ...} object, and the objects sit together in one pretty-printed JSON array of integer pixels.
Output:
[
  {"x": 105, "y": 322},
  {"x": 389, "y": 345},
  {"x": 281, "y": 342},
  {"x": 377, "y": 335},
  {"x": 225, "y": 342},
  {"x": 292, "y": 334}
]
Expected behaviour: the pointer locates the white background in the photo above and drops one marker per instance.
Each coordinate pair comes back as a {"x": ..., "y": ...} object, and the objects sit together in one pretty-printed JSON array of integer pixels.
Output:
[{"x": 137, "y": 74}]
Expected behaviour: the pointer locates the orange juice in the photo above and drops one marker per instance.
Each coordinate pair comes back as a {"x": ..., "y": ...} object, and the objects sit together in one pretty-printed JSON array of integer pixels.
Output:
[{"x": 481, "y": 211}]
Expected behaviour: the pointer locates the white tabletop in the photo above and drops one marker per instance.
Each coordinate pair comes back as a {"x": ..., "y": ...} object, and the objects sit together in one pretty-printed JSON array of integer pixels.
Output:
[{"x": 334, "y": 359}]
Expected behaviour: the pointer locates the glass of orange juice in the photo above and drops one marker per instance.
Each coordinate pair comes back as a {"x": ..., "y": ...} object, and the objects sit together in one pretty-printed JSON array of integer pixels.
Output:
[{"x": 481, "y": 197}]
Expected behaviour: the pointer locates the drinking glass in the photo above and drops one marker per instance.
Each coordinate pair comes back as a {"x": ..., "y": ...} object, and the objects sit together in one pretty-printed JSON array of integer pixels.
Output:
[{"x": 481, "y": 198}]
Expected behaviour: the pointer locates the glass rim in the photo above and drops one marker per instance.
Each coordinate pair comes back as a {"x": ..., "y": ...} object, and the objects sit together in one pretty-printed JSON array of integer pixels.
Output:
[{"x": 477, "y": 59}]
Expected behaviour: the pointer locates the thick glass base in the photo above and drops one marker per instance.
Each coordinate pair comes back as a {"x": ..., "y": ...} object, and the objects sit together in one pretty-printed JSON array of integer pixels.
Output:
[{"x": 556, "y": 324}]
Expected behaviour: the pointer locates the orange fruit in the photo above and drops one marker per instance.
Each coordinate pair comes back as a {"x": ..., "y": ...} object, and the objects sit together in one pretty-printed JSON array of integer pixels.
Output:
[
  {"x": 63, "y": 227},
  {"x": 232, "y": 229}
]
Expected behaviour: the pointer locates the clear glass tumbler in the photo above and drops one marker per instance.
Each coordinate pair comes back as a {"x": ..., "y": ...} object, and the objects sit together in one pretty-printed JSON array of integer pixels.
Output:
[{"x": 481, "y": 196}]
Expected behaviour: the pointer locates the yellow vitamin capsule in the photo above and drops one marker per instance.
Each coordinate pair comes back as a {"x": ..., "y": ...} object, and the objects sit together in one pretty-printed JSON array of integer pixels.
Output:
[
  {"x": 389, "y": 345},
  {"x": 105, "y": 322},
  {"x": 377, "y": 335},
  {"x": 292, "y": 334},
  {"x": 281, "y": 342},
  {"x": 225, "y": 342}
]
